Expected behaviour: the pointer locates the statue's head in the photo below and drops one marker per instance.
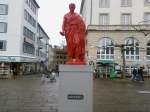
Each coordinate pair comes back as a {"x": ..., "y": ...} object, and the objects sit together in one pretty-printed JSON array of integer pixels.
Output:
[{"x": 72, "y": 7}]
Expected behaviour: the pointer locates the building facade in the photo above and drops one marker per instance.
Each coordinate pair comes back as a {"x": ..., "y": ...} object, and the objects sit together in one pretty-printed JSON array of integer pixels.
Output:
[
  {"x": 42, "y": 48},
  {"x": 60, "y": 56},
  {"x": 117, "y": 30},
  {"x": 51, "y": 57},
  {"x": 18, "y": 36}
]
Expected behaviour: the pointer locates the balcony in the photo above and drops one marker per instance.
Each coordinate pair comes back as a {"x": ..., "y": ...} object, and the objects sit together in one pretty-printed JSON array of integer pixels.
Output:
[
  {"x": 40, "y": 37},
  {"x": 40, "y": 47}
]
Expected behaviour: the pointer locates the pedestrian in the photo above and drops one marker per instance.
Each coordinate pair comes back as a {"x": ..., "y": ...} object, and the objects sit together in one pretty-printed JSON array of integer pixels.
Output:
[
  {"x": 53, "y": 76},
  {"x": 140, "y": 73},
  {"x": 43, "y": 78},
  {"x": 14, "y": 73},
  {"x": 94, "y": 73},
  {"x": 134, "y": 74}
]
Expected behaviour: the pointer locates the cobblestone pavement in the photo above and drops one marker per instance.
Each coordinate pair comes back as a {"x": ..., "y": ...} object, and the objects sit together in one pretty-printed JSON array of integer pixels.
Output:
[
  {"x": 121, "y": 96},
  {"x": 28, "y": 94}
]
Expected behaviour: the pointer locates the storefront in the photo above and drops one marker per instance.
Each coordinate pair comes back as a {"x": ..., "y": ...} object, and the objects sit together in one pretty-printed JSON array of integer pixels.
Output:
[
  {"x": 106, "y": 68},
  {"x": 15, "y": 65}
]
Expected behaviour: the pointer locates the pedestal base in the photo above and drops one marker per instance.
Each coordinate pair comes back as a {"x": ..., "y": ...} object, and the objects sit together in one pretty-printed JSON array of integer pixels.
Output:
[{"x": 76, "y": 88}]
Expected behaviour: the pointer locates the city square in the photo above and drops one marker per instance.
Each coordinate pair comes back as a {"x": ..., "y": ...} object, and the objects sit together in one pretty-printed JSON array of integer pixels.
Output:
[
  {"x": 74, "y": 56},
  {"x": 109, "y": 95}
]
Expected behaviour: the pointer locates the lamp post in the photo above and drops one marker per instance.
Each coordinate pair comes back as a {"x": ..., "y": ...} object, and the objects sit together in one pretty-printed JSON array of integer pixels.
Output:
[{"x": 122, "y": 49}]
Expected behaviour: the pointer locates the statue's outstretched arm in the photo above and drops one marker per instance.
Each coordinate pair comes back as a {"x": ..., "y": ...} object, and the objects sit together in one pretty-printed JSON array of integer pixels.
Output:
[{"x": 63, "y": 27}]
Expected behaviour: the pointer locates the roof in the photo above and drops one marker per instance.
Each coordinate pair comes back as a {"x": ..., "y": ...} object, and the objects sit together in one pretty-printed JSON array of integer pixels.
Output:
[
  {"x": 105, "y": 62},
  {"x": 34, "y": 1},
  {"x": 43, "y": 30}
]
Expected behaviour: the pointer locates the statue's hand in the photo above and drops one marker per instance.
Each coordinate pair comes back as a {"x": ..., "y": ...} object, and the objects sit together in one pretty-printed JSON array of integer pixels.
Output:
[{"x": 62, "y": 33}]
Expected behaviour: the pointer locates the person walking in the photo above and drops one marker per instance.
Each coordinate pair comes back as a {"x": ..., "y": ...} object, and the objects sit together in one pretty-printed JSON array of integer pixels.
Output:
[
  {"x": 140, "y": 73},
  {"x": 134, "y": 73}
]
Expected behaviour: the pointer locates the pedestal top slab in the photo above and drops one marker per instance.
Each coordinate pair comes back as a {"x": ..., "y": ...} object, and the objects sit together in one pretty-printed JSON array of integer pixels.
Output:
[{"x": 77, "y": 68}]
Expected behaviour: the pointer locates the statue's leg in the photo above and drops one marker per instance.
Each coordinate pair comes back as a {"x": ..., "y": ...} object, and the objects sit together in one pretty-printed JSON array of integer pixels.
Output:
[
  {"x": 70, "y": 52},
  {"x": 80, "y": 52},
  {"x": 77, "y": 54}
]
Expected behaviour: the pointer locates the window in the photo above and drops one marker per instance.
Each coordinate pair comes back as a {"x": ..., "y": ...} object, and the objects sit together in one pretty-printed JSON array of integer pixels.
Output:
[
  {"x": 126, "y": 3},
  {"x": 3, "y": 27},
  {"x": 132, "y": 49},
  {"x": 104, "y": 19},
  {"x": 32, "y": 6},
  {"x": 104, "y": 3},
  {"x": 28, "y": 33},
  {"x": 28, "y": 48},
  {"x": 3, "y": 9},
  {"x": 105, "y": 49},
  {"x": 2, "y": 45},
  {"x": 146, "y": 2},
  {"x": 126, "y": 19},
  {"x": 148, "y": 50},
  {"x": 146, "y": 18},
  {"x": 29, "y": 18}
]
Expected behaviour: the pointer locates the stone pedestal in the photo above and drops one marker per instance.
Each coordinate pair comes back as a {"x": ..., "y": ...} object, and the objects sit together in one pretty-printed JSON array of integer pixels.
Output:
[{"x": 75, "y": 88}]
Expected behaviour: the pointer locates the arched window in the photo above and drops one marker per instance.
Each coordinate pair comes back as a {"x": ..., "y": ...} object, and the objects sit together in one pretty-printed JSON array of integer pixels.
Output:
[
  {"x": 105, "y": 50},
  {"x": 132, "y": 49},
  {"x": 148, "y": 50}
]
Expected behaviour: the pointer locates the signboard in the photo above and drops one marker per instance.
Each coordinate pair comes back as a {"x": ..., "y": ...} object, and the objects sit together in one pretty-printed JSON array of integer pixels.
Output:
[
  {"x": 9, "y": 59},
  {"x": 26, "y": 39},
  {"x": 25, "y": 59},
  {"x": 75, "y": 97},
  {"x": 118, "y": 67},
  {"x": 17, "y": 59}
]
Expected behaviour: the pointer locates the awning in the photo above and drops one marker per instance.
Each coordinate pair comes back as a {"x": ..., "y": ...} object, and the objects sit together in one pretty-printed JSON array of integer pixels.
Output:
[{"x": 105, "y": 62}]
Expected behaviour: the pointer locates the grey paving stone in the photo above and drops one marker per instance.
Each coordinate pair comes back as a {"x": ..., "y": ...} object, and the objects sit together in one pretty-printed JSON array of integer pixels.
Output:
[{"x": 27, "y": 95}]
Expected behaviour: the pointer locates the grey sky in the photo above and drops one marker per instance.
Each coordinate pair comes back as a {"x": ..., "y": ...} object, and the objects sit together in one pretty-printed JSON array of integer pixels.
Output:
[{"x": 50, "y": 17}]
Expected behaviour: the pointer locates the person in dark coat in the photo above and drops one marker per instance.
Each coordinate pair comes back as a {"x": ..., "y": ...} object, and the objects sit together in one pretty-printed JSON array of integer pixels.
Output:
[
  {"x": 134, "y": 72},
  {"x": 140, "y": 73}
]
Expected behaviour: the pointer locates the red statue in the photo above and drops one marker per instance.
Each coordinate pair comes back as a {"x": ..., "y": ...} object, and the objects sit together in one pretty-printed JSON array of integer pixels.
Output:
[{"x": 74, "y": 29}]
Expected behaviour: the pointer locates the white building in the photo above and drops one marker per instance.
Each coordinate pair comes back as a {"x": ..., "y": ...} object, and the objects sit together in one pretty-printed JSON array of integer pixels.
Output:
[
  {"x": 115, "y": 12},
  {"x": 51, "y": 57},
  {"x": 18, "y": 35},
  {"x": 42, "y": 48},
  {"x": 117, "y": 22}
]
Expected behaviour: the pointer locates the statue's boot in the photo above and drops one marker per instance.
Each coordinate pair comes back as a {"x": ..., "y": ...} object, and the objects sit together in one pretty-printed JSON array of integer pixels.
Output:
[
  {"x": 70, "y": 61},
  {"x": 79, "y": 62}
]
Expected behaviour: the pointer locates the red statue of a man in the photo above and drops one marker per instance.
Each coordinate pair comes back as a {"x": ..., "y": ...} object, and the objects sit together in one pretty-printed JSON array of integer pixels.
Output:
[{"x": 74, "y": 29}]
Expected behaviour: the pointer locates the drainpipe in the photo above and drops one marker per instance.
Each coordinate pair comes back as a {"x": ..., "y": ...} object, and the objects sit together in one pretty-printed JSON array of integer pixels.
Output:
[{"x": 91, "y": 10}]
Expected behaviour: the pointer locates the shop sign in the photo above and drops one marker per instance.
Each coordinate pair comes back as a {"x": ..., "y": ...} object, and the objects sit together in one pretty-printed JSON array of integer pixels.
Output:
[
  {"x": 9, "y": 59},
  {"x": 24, "y": 59},
  {"x": 29, "y": 40},
  {"x": 118, "y": 67}
]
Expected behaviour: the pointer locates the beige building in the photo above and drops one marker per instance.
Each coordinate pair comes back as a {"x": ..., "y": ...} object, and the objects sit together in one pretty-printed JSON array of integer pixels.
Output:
[
  {"x": 117, "y": 29},
  {"x": 58, "y": 56}
]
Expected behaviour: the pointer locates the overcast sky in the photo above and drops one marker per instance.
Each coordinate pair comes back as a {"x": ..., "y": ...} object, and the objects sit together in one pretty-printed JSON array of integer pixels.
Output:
[{"x": 50, "y": 17}]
